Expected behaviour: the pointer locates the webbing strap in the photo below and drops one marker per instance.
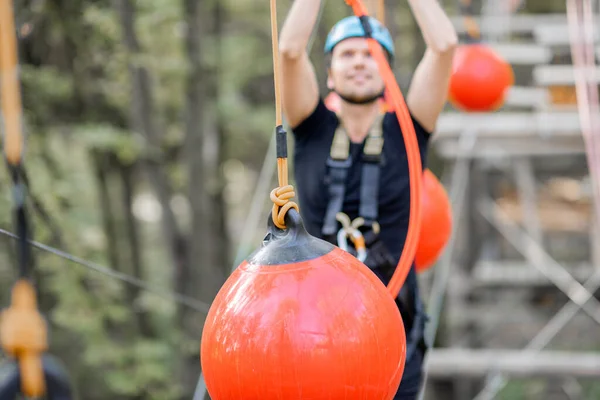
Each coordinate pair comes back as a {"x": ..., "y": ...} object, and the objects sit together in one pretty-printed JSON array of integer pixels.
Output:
[
  {"x": 338, "y": 171},
  {"x": 369, "y": 183},
  {"x": 340, "y": 161}
]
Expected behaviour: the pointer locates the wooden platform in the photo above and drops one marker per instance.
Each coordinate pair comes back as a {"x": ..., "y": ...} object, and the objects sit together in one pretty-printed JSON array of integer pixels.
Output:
[
  {"x": 525, "y": 96},
  {"x": 523, "y": 53},
  {"x": 514, "y": 133},
  {"x": 520, "y": 274},
  {"x": 445, "y": 363},
  {"x": 557, "y": 34},
  {"x": 518, "y": 23},
  {"x": 548, "y": 75}
]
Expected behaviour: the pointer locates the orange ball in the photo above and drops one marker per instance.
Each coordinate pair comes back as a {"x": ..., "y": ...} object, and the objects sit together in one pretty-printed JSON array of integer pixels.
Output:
[
  {"x": 480, "y": 79},
  {"x": 436, "y": 222},
  {"x": 302, "y": 319}
]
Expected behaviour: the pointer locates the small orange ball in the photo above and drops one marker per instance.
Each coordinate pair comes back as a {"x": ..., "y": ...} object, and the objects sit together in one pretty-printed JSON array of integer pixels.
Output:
[{"x": 480, "y": 79}]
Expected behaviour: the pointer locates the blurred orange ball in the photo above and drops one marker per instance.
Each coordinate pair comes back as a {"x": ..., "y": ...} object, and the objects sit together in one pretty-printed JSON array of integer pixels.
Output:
[
  {"x": 436, "y": 222},
  {"x": 480, "y": 79}
]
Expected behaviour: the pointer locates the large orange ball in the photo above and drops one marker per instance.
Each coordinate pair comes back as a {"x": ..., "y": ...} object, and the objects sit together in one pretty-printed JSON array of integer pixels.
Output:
[
  {"x": 436, "y": 222},
  {"x": 302, "y": 319},
  {"x": 480, "y": 79}
]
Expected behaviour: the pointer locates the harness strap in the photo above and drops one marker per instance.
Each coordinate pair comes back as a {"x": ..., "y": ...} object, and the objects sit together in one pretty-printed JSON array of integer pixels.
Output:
[
  {"x": 340, "y": 161},
  {"x": 369, "y": 184}
]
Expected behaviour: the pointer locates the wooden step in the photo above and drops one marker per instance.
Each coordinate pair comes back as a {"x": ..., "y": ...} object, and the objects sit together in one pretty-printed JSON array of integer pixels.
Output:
[
  {"x": 502, "y": 134},
  {"x": 526, "y": 96},
  {"x": 514, "y": 124},
  {"x": 519, "y": 23},
  {"x": 516, "y": 273},
  {"x": 446, "y": 363},
  {"x": 523, "y": 53},
  {"x": 557, "y": 34},
  {"x": 553, "y": 75}
]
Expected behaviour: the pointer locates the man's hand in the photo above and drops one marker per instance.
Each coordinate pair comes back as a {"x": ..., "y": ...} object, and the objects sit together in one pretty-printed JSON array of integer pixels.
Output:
[
  {"x": 300, "y": 91},
  {"x": 429, "y": 88}
]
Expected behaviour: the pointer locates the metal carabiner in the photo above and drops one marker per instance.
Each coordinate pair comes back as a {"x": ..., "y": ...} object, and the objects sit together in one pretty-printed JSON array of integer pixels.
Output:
[
  {"x": 360, "y": 221},
  {"x": 357, "y": 239}
]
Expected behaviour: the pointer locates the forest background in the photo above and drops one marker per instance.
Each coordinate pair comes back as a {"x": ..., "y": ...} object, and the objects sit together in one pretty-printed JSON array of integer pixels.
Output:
[{"x": 147, "y": 127}]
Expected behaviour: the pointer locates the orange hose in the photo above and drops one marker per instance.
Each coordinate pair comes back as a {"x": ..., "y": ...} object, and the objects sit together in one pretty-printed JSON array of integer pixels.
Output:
[{"x": 412, "y": 152}]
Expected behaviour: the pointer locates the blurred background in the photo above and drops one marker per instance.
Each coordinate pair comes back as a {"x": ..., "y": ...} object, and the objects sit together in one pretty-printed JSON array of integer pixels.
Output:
[{"x": 149, "y": 152}]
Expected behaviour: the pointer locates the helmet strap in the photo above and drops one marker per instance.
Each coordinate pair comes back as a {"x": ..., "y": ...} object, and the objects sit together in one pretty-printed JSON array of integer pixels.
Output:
[{"x": 368, "y": 100}]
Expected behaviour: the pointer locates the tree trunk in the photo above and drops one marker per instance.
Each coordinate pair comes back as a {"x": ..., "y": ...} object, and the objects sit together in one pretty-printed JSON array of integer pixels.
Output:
[
  {"x": 143, "y": 322},
  {"x": 108, "y": 222},
  {"x": 208, "y": 247},
  {"x": 143, "y": 121}
]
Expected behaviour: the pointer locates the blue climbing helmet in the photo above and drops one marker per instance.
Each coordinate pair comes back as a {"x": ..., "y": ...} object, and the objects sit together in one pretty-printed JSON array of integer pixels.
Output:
[{"x": 350, "y": 27}]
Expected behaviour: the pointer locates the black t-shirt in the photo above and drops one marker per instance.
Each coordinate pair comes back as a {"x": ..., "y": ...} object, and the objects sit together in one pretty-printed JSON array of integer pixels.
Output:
[{"x": 313, "y": 138}]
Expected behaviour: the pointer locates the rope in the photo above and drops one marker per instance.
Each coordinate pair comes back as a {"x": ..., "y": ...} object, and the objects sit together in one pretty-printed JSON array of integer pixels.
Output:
[
  {"x": 11, "y": 97},
  {"x": 412, "y": 149},
  {"x": 281, "y": 195},
  {"x": 381, "y": 11},
  {"x": 265, "y": 175},
  {"x": 23, "y": 331},
  {"x": 111, "y": 273},
  {"x": 471, "y": 26},
  {"x": 581, "y": 37}
]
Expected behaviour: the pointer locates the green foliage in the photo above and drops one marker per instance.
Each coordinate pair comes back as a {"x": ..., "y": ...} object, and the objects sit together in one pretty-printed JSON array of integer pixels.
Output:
[
  {"x": 127, "y": 146},
  {"x": 77, "y": 93}
]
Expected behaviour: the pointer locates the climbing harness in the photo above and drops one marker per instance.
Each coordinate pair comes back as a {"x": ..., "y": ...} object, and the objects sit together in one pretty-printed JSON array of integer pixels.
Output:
[
  {"x": 364, "y": 230},
  {"x": 340, "y": 161},
  {"x": 377, "y": 256}
]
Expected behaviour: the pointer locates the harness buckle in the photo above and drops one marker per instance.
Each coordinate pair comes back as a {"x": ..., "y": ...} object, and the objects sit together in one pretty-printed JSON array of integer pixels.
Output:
[
  {"x": 349, "y": 231},
  {"x": 360, "y": 222},
  {"x": 339, "y": 163}
]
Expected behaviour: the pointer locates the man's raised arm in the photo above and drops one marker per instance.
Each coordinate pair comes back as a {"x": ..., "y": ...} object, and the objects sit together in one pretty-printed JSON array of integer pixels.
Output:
[
  {"x": 429, "y": 87},
  {"x": 300, "y": 91}
]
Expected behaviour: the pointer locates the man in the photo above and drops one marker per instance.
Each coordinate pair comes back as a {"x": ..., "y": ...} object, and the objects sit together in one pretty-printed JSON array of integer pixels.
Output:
[{"x": 327, "y": 185}]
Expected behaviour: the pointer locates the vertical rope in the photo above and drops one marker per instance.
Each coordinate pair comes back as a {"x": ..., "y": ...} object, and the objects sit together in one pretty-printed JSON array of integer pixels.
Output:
[
  {"x": 279, "y": 196},
  {"x": 11, "y": 96},
  {"x": 583, "y": 54},
  {"x": 381, "y": 11},
  {"x": 471, "y": 26},
  {"x": 23, "y": 333},
  {"x": 276, "y": 69}
]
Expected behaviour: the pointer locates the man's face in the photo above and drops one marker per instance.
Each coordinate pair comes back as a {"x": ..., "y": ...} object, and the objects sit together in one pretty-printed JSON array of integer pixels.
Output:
[{"x": 353, "y": 72}]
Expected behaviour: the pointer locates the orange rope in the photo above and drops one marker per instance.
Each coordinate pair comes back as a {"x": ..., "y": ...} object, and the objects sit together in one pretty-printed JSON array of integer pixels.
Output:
[
  {"x": 23, "y": 332},
  {"x": 381, "y": 11},
  {"x": 276, "y": 69},
  {"x": 413, "y": 155},
  {"x": 11, "y": 97},
  {"x": 23, "y": 336},
  {"x": 281, "y": 195},
  {"x": 471, "y": 25}
]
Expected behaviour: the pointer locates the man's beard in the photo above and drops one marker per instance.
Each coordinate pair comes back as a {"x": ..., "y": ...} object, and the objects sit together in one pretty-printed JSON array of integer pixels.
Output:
[{"x": 352, "y": 99}]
